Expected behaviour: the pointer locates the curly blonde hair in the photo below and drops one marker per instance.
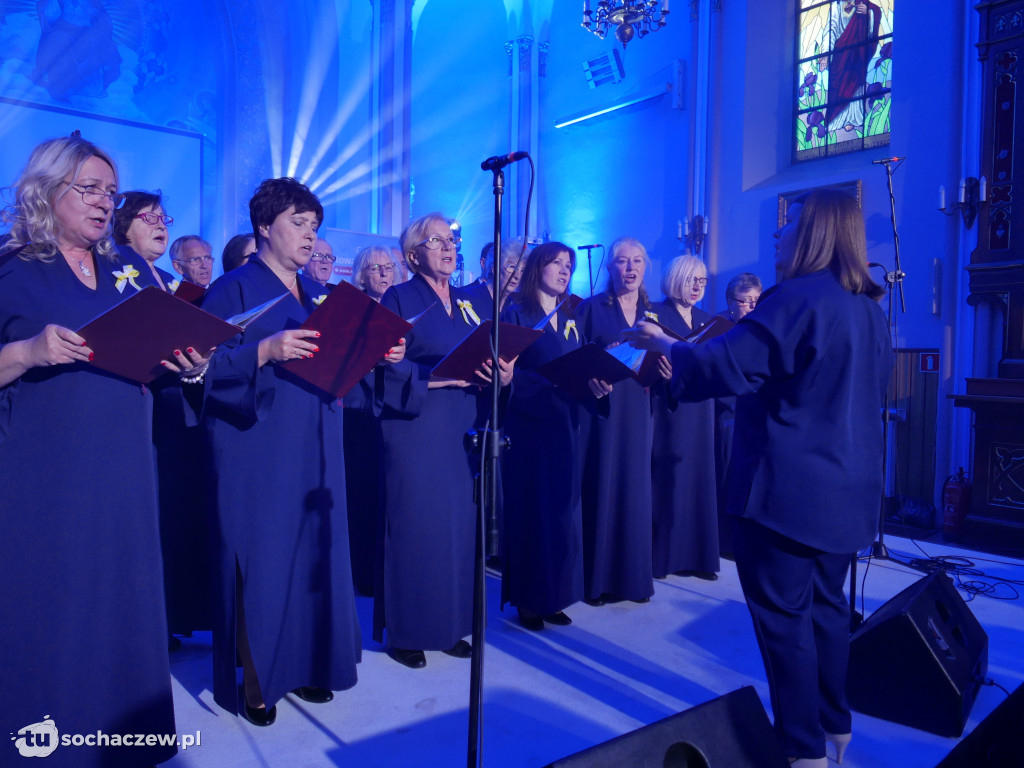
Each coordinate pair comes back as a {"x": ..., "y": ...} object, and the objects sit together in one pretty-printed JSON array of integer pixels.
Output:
[{"x": 32, "y": 216}]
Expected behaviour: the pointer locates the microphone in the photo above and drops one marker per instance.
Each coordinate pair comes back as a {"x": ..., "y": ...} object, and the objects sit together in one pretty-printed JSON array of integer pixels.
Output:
[
  {"x": 875, "y": 264},
  {"x": 588, "y": 247},
  {"x": 885, "y": 160},
  {"x": 498, "y": 162}
]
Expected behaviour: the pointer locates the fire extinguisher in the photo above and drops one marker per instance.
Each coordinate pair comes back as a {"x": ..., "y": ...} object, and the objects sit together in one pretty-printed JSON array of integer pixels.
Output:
[{"x": 956, "y": 503}]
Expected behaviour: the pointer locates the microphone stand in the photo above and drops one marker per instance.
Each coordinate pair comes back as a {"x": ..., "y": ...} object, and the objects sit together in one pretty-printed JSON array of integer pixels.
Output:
[
  {"x": 487, "y": 502},
  {"x": 893, "y": 280}
]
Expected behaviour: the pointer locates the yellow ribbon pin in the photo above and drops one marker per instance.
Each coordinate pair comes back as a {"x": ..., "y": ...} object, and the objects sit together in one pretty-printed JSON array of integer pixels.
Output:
[
  {"x": 127, "y": 275},
  {"x": 173, "y": 285},
  {"x": 570, "y": 325},
  {"x": 651, "y": 315},
  {"x": 320, "y": 299},
  {"x": 467, "y": 311}
]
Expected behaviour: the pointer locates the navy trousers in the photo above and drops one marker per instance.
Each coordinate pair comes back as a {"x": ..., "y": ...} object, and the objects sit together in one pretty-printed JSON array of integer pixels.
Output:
[{"x": 802, "y": 622}]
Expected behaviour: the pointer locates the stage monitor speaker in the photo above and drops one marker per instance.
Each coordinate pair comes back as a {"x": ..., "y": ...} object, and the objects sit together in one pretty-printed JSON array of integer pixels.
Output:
[
  {"x": 731, "y": 731},
  {"x": 919, "y": 659}
]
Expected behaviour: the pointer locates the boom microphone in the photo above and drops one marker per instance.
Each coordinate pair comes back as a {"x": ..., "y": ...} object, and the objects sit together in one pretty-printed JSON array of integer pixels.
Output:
[
  {"x": 498, "y": 162},
  {"x": 588, "y": 247},
  {"x": 885, "y": 160}
]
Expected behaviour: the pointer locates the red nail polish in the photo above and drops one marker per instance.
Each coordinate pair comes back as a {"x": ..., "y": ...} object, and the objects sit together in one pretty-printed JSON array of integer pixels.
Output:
[
  {"x": 315, "y": 349},
  {"x": 177, "y": 352},
  {"x": 83, "y": 343},
  {"x": 92, "y": 356},
  {"x": 318, "y": 334},
  {"x": 190, "y": 351}
]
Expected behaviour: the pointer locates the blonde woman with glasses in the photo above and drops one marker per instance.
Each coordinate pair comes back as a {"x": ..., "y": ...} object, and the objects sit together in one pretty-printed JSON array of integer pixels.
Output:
[{"x": 684, "y": 499}]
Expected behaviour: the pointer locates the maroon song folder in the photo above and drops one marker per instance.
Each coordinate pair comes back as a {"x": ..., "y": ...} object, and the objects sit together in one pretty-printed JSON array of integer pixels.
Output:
[
  {"x": 355, "y": 334},
  {"x": 475, "y": 350},
  {"x": 716, "y": 326},
  {"x": 190, "y": 292},
  {"x": 573, "y": 370},
  {"x": 131, "y": 338}
]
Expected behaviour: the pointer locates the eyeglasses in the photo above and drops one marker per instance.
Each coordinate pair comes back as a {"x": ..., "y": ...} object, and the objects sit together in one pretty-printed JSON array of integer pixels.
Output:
[
  {"x": 155, "y": 218},
  {"x": 700, "y": 282},
  {"x": 380, "y": 269},
  {"x": 514, "y": 269},
  {"x": 196, "y": 260},
  {"x": 322, "y": 257},
  {"x": 436, "y": 242},
  {"x": 93, "y": 195},
  {"x": 748, "y": 303}
]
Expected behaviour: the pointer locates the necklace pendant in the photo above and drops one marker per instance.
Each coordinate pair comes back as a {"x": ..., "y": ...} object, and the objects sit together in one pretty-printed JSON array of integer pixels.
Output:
[{"x": 85, "y": 270}]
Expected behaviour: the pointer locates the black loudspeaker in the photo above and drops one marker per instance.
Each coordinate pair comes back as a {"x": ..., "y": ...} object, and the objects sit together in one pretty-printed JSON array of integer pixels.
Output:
[
  {"x": 919, "y": 659},
  {"x": 731, "y": 731},
  {"x": 995, "y": 743}
]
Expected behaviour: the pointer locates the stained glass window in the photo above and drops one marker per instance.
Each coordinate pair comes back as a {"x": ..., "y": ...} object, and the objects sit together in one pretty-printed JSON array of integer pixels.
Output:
[{"x": 843, "y": 76}]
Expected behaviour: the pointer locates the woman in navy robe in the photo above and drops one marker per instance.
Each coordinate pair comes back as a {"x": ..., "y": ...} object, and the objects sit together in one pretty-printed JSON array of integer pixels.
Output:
[
  {"x": 284, "y": 602},
  {"x": 85, "y": 639},
  {"x": 616, "y": 445},
  {"x": 423, "y": 594},
  {"x": 182, "y": 462},
  {"x": 685, "y": 502},
  {"x": 542, "y": 567},
  {"x": 373, "y": 272},
  {"x": 812, "y": 363}
]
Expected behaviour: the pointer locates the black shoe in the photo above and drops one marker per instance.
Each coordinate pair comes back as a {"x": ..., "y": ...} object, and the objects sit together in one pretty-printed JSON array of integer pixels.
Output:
[
  {"x": 531, "y": 622},
  {"x": 641, "y": 601},
  {"x": 261, "y": 717},
  {"x": 461, "y": 650},
  {"x": 314, "y": 695},
  {"x": 411, "y": 659},
  {"x": 596, "y": 602},
  {"x": 558, "y": 619},
  {"x": 705, "y": 575}
]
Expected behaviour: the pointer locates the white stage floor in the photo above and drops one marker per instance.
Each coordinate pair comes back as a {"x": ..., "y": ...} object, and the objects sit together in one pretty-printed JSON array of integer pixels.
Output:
[{"x": 549, "y": 694}]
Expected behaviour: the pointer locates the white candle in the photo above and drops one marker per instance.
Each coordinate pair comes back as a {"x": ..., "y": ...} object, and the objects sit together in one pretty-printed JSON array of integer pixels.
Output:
[
  {"x": 687, "y": 222},
  {"x": 942, "y": 198},
  {"x": 983, "y": 191},
  {"x": 705, "y": 226},
  {"x": 679, "y": 229},
  {"x": 963, "y": 190},
  {"x": 664, "y": 6}
]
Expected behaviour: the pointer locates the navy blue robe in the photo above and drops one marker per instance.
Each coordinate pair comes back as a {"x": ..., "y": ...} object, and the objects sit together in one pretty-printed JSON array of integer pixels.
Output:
[
  {"x": 185, "y": 496},
  {"x": 281, "y": 522},
  {"x": 81, "y": 593},
  {"x": 542, "y": 568},
  {"x": 616, "y": 472},
  {"x": 424, "y": 590},
  {"x": 364, "y": 480},
  {"x": 685, "y": 501}
]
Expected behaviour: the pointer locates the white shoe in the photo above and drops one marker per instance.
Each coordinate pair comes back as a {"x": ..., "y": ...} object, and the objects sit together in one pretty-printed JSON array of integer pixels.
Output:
[
  {"x": 809, "y": 762},
  {"x": 839, "y": 742}
]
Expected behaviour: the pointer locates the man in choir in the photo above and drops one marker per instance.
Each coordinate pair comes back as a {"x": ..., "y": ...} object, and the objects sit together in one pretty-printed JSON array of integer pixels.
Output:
[
  {"x": 192, "y": 258},
  {"x": 513, "y": 259},
  {"x": 321, "y": 263}
]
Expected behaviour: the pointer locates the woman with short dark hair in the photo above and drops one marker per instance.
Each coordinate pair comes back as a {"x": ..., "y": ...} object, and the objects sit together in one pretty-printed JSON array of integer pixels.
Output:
[
  {"x": 285, "y": 602},
  {"x": 812, "y": 365},
  {"x": 141, "y": 224}
]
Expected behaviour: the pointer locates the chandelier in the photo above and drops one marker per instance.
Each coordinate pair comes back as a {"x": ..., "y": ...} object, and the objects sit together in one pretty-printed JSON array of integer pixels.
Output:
[{"x": 630, "y": 17}]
